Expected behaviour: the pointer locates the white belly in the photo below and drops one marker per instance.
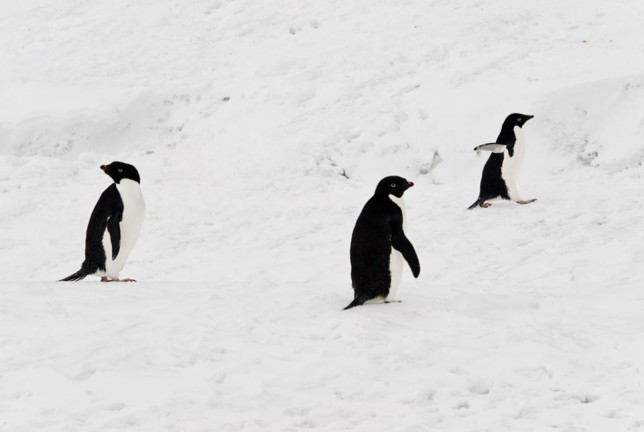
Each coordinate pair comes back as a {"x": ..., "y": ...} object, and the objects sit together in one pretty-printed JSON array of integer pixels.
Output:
[
  {"x": 133, "y": 214},
  {"x": 396, "y": 260},
  {"x": 512, "y": 165}
]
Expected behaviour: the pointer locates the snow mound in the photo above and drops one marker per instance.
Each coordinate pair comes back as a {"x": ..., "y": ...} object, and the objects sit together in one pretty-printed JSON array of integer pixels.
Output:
[
  {"x": 65, "y": 121},
  {"x": 601, "y": 123}
]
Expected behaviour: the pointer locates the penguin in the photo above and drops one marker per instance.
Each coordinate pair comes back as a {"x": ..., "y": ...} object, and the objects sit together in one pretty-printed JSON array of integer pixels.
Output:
[
  {"x": 114, "y": 225},
  {"x": 379, "y": 244},
  {"x": 499, "y": 178}
]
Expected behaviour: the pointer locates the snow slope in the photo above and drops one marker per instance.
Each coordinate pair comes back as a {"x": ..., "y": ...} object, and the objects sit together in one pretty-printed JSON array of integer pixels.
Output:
[
  {"x": 260, "y": 129},
  {"x": 167, "y": 356}
]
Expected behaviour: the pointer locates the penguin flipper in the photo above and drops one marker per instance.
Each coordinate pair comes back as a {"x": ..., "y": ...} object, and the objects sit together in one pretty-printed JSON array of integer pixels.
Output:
[
  {"x": 492, "y": 147},
  {"x": 79, "y": 275},
  {"x": 402, "y": 244},
  {"x": 107, "y": 215},
  {"x": 114, "y": 230}
]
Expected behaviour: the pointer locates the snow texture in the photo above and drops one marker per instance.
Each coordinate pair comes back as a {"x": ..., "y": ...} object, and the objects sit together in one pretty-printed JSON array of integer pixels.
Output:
[{"x": 260, "y": 129}]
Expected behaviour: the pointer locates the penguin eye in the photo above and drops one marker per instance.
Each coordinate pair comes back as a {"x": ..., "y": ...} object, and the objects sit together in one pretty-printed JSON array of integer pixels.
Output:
[
  {"x": 120, "y": 170},
  {"x": 393, "y": 185},
  {"x": 519, "y": 119}
]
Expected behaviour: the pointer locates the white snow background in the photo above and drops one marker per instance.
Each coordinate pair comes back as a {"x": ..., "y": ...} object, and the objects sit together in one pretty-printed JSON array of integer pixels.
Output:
[{"x": 260, "y": 129}]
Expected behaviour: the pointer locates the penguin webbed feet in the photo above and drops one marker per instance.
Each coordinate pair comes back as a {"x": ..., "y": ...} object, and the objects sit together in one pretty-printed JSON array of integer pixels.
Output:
[
  {"x": 484, "y": 204},
  {"x": 480, "y": 202},
  {"x": 108, "y": 279},
  {"x": 361, "y": 301},
  {"x": 524, "y": 202}
]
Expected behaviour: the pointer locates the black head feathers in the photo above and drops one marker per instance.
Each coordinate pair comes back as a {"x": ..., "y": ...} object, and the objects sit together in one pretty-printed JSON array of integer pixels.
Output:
[
  {"x": 120, "y": 170},
  {"x": 393, "y": 185},
  {"x": 516, "y": 119}
]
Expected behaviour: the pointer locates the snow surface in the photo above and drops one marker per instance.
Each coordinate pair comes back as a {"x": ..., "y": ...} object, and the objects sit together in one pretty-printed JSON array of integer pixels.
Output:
[{"x": 260, "y": 129}]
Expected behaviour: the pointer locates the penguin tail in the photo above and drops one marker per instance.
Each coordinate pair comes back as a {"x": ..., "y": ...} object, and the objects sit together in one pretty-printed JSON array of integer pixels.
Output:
[
  {"x": 358, "y": 301},
  {"x": 79, "y": 275},
  {"x": 477, "y": 203}
]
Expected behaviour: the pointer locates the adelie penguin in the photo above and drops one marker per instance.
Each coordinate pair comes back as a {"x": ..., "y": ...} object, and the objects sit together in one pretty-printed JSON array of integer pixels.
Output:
[
  {"x": 499, "y": 179},
  {"x": 114, "y": 225},
  {"x": 379, "y": 244}
]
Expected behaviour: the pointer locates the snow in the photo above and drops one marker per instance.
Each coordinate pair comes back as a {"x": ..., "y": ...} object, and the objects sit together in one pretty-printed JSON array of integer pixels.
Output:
[{"x": 260, "y": 130}]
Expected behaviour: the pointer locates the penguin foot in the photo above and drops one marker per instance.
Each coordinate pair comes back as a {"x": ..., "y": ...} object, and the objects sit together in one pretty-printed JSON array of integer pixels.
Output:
[
  {"x": 523, "y": 202},
  {"x": 107, "y": 279},
  {"x": 485, "y": 204}
]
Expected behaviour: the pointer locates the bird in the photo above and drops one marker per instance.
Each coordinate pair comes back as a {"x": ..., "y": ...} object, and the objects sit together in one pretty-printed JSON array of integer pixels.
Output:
[
  {"x": 502, "y": 167},
  {"x": 114, "y": 225},
  {"x": 379, "y": 244}
]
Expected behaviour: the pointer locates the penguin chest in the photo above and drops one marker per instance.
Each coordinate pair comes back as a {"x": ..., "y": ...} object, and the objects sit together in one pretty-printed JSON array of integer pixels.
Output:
[
  {"x": 512, "y": 164},
  {"x": 396, "y": 259},
  {"x": 396, "y": 262},
  {"x": 130, "y": 226},
  {"x": 401, "y": 204}
]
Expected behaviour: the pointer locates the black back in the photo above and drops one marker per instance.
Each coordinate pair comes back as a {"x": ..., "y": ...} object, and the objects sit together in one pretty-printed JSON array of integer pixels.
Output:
[
  {"x": 492, "y": 184},
  {"x": 379, "y": 228},
  {"x": 107, "y": 214}
]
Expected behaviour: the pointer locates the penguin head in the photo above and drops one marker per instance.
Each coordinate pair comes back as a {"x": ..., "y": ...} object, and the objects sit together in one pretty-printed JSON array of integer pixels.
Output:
[
  {"x": 393, "y": 185},
  {"x": 120, "y": 170},
  {"x": 516, "y": 119}
]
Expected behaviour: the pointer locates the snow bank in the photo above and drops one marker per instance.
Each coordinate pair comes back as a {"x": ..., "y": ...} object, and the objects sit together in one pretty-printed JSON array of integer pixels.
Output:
[
  {"x": 600, "y": 123},
  {"x": 66, "y": 121}
]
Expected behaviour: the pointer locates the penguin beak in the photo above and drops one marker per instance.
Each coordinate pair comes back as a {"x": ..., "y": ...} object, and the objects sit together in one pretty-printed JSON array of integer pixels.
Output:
[
  {"x": 528, "y": 117},
  {"x": 104, "y": 167},
  {"x": 409, "y": 184}
]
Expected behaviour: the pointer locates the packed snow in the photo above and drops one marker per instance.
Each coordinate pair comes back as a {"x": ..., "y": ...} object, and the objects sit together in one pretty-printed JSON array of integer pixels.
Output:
[{"x": 260, "y": 129}]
